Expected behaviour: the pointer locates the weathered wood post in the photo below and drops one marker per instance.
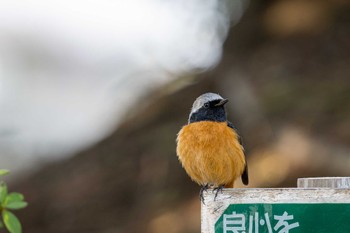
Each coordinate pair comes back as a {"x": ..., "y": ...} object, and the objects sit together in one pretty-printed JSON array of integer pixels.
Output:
[{"x": 319, "y": 205}]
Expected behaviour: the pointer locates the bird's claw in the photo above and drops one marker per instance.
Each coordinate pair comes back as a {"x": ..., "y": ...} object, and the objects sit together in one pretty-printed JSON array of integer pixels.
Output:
[
  {"x": 204, "y": 188},
  {"x": 217, "y": 190}
]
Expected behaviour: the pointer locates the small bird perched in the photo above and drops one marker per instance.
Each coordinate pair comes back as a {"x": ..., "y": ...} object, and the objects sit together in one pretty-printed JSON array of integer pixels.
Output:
[{"x": 209, "y": 148}]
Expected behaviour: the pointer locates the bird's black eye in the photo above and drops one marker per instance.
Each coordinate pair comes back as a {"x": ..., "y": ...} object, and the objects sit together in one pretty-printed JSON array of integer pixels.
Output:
[{"x": 206, "y": 105}]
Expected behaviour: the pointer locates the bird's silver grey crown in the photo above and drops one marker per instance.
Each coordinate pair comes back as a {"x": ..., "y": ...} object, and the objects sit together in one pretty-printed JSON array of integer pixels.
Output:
[{"x": 202, "y": 99}]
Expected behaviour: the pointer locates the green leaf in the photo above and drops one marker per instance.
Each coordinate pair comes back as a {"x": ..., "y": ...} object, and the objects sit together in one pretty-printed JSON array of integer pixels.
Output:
[
  {"x": 11, "y": 222},
  {"x": 1, "y": 224},
  {"x": 14, "y": 201},
  {"x": 4, "y": 172},
  {"x": 3, "y": 192},
  {"x": 13, "y": 197},
  {"x": 16, "y": 205}
]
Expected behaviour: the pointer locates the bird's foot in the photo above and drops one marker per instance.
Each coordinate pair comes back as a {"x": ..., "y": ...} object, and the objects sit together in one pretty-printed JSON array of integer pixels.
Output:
[
  {"x": 217, "y": 190},
  {"x": 204, "y": 188}
]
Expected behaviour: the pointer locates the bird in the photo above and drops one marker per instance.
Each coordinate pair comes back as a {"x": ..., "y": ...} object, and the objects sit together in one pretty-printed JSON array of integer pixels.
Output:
[{"x": 209, "y": 146}]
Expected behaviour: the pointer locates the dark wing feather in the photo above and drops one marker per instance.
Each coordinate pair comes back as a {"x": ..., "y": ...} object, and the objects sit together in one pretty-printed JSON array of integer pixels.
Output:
[{"x": 244, "y": 176}]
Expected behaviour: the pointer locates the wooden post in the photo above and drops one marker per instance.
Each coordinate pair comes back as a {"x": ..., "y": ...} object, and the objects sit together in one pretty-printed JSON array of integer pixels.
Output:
[
  {"x": 324, "y": 182},
  {"x": 318, "y": 205}
]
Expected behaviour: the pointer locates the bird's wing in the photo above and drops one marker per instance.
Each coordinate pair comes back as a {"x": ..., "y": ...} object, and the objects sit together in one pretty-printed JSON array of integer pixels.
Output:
[{"x": 244, "y": 176}]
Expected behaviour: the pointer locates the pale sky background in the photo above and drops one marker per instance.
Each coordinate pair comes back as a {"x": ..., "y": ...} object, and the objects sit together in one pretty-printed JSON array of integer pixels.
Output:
[{"x": 69, "y": 69}]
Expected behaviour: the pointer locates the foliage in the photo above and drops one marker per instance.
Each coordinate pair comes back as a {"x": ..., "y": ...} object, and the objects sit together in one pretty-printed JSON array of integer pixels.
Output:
[{"x": 8, "y": 202}]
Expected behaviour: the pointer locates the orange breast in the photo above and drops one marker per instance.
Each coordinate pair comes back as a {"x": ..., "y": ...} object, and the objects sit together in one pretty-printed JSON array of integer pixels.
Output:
[{"x": 210, "y": 153}]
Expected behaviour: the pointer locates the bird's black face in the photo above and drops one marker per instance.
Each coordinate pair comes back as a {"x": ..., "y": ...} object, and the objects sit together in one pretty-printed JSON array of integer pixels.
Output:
[{"x": 210, "y": 111}]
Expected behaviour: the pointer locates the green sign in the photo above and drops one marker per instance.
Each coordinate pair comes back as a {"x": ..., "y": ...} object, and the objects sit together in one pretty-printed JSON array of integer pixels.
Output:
[{"x": 285, "y": 218}]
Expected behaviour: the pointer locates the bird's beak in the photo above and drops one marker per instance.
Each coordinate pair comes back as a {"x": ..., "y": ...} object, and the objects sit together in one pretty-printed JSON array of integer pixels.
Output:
[{"x": 221, "y": 103}]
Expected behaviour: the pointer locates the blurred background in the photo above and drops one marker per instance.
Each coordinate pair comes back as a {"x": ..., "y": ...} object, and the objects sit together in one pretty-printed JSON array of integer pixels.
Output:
[{"x": 93, "y": 93}]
